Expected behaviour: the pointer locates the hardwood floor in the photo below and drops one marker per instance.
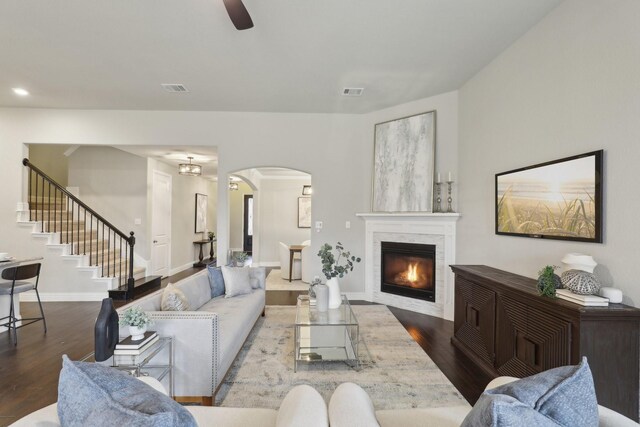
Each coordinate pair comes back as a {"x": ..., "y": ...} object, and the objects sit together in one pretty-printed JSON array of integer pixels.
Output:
[{"x": 29, "y": 372}]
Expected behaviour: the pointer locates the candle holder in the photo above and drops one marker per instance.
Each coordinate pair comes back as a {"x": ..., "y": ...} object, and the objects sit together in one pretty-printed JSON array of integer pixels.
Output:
[
  {"x": 438, "y": 207},
  {"x": 449, "y": 199}
]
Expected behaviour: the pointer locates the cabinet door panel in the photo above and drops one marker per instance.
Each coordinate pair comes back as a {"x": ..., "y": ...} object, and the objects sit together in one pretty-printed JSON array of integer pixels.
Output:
[
  {"x": 529, "y": 341},
  {"x": 475, "y": 318}
]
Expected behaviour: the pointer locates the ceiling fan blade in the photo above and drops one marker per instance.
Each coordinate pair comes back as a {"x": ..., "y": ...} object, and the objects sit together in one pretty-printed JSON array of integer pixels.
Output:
[{"x": 238, "y": 14}]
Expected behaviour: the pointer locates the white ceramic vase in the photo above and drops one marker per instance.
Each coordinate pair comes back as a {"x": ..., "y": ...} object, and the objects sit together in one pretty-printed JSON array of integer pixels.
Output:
[
  {"x": 137, "y": 332},
  {"x": 322, "y": 297},
  {"x": 335, "y": 299},
  {"x": 582, "y": 262}
]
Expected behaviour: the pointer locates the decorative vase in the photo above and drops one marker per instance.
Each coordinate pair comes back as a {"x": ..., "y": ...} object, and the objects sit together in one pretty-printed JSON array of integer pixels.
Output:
[
  {"x": 322, "y": 297},
  {"x": 582, "y": 262},
  {"x": 335, "y": 299},
  {"x": 137, "y": 332},
  {"x": 106, "y": 331},
  {"x": 580, "y": 282}
]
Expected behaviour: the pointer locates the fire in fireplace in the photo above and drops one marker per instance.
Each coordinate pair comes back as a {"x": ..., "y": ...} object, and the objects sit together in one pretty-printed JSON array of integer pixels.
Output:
[{"x": 408, "y": 269}]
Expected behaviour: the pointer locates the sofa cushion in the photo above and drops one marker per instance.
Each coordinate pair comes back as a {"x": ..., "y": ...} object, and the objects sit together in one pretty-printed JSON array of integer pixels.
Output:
[
  {"x": 216, "y": 281},
  {"x": 196, "y": 288},
  {"x": 173, "y": 299},
  {"x": 96, "y": 395},
  {"x": 257, "y": 277},
  {"x": 560, "y": 396},
  {"x": 236, "y": 281}
]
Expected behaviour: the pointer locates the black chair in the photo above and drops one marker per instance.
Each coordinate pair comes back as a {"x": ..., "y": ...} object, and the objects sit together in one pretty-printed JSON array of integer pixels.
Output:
[{"x": 17, "y": 285}]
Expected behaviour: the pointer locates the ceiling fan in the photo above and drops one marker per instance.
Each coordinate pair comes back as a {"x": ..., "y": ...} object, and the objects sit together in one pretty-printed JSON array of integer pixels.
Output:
[{"x": 238, "y": 14}]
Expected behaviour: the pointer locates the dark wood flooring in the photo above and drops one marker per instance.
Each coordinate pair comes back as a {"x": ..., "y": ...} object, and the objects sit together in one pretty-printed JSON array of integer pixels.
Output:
[{"x": 29, "y": 372}]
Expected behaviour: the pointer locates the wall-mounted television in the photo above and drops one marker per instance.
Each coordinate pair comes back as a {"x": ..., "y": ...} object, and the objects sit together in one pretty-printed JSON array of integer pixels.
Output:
[{"x": 560, "y": 199}]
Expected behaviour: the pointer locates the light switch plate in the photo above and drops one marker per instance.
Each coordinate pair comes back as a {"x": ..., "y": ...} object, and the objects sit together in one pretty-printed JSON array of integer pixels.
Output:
[{"x": 137, "y": 221}]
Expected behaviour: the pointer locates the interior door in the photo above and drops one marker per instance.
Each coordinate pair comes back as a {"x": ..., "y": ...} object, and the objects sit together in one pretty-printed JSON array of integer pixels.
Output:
[
  {"x": 161, "y": 224},
  {"x": 247, "y": 238}
]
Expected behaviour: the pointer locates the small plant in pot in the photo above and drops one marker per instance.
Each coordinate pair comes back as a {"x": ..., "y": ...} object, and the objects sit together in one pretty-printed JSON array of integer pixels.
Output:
[
  {"x": 548, "y": 281},
  {"x": 211, "y": 235},
  {"x": 335, "y": 267},
  {"x": 240, "y": 258},
  {"x": 137, "y": 320}
]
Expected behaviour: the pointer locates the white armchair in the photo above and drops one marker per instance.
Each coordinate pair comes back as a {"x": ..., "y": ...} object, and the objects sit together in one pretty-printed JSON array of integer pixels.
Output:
[
  {"x": 307, "y": 261},
  {"x": 296, "y": 271}
]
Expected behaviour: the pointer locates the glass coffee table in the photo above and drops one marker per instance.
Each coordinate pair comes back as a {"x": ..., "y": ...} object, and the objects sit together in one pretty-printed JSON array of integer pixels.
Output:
[{"x": 325, "y": 336}]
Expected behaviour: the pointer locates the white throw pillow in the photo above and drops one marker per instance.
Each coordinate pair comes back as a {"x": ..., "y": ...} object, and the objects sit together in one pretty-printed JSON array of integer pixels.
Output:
[
  {"x": 236, "y": 281},
  {"x": 173, "y": 299}
]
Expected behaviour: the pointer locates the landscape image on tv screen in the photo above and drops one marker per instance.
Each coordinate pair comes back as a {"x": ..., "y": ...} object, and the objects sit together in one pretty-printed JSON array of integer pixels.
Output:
[{"x": 558, "y": 199}]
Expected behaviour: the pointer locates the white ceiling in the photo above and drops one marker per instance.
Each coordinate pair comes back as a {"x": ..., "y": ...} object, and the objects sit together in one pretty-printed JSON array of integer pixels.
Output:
[
  {"x": 115, "y": 54},
  {"x": 207, "y": 157}
]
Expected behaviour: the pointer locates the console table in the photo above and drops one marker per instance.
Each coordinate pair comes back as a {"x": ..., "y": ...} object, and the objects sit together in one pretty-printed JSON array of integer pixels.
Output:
[
  {"x": 202, "y": 243},
  {"x": 506, "y": 328}
]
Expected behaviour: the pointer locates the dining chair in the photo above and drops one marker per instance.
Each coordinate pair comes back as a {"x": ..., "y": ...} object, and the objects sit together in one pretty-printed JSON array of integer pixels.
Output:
[{"x": 16, "y": 283}]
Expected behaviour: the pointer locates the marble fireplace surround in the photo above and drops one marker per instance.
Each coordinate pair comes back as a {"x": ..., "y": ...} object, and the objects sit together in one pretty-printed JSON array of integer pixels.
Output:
[{"x": 437, "y": 229}]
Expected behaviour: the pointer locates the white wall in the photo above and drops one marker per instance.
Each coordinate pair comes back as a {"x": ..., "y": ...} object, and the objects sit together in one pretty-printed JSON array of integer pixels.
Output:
[
  {"x": 51, "y": 160},
  {"x": 114, "y": 184},
  {"x": 336, "y": 150},
  {"x": 568, "y": 86},
  {"x": 279, "y": 216}
]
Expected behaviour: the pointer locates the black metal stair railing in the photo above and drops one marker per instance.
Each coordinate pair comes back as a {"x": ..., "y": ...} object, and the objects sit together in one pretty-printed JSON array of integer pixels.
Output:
[{"x": 58, "y": 210}]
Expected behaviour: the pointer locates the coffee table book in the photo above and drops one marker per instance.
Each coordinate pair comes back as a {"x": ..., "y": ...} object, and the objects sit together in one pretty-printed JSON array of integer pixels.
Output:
[
  {"x": 134, "y": 351},
  {"x": 128, "y": 343},
  {"x": 585, "y": 300}
]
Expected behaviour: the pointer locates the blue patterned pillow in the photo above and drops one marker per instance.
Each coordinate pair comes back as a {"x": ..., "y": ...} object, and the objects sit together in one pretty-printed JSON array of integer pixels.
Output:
[
  {"x": 562, "y": 396},
  {"x": 216, "y": 281},
  {"x": 96, "y": 395}
]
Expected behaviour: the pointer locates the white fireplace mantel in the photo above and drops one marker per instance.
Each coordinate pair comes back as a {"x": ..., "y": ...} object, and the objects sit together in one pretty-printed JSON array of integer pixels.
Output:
[{"x": 429, "y": 228}]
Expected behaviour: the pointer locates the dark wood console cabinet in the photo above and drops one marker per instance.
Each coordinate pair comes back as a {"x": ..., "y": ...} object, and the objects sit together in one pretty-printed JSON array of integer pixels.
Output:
[{"x": 506, "y": 328}]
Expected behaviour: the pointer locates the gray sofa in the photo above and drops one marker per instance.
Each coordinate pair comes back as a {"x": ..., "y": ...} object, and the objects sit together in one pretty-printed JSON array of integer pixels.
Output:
[{"x": 207, "y": 339}]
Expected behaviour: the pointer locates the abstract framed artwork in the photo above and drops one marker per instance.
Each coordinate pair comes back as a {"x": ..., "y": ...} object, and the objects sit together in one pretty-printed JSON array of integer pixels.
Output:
[
  {"x": 201, "y": 213},
  {"x": 304, "y": 212},
  {"x": 403, "y": 164},
  {"x": 560, "y": 199}
]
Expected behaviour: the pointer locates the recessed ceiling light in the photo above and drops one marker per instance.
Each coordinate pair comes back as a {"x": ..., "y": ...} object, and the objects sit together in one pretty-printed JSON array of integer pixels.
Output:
[
  {"x": 20, "y": 92},
  {"x": 352, "y": 91}
]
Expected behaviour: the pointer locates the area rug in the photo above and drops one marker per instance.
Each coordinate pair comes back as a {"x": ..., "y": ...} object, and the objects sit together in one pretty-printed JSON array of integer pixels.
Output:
[
  {"x": 395, "y": 371},
  {"x": 275, "y": 282}
]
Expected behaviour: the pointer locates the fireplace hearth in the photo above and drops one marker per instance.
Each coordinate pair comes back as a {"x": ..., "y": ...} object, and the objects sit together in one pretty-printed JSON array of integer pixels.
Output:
[{"x": 408, "y": 269}]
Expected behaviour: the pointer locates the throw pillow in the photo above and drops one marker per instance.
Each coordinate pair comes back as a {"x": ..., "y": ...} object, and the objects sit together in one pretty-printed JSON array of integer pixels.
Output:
[
  {"x": 216, "y": 281},
  {"x": 257, "y": 276},
  {"x": 562, "y": 396},
  {"x": 97, "y": 395},
  {"x": 173, "y": 299},
  {"x": 236, "y": 281}
]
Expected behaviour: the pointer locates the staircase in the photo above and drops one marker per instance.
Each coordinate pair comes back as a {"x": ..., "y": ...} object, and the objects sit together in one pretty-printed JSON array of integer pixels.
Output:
[{"x": 81, "y": 233}]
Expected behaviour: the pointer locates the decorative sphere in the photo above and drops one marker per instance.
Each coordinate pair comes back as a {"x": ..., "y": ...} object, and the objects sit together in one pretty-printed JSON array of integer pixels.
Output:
[
  {"x": 557, "y": 282},
  {"x": 580, "y": 282}
]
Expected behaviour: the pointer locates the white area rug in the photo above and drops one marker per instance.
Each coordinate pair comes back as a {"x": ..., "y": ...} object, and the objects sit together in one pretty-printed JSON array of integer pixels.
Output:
[
  {"x": 395, "y": 371},
  {"x": 275, "y": 282}
]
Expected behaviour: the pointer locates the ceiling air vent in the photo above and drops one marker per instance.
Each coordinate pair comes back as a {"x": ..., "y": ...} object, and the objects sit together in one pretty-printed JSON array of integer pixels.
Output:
[
  {"x": 174, "y": 87},
  {"x": 352, "y": 91}
]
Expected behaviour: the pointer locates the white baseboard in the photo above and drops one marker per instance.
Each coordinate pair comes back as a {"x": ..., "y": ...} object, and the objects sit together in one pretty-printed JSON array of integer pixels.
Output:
[
  {"x": 266, "y": 264},
  {"x": 181, "y": 268},
  {"x": 63, "y": 296}
]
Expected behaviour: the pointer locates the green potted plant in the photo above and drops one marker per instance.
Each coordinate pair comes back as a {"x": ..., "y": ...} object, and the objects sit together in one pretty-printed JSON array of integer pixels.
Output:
[
  {"x": 240, "y": 258},
  {"x": 137, "y": 320},
  {"x": 335, "y": 267},
  {"x": 548, "y": 281},
  {"x": 211, "y": 235}
]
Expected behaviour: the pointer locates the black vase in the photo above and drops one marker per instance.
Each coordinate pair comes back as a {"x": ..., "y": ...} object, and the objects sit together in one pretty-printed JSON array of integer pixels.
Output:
[{"x": 106, "y": 331}]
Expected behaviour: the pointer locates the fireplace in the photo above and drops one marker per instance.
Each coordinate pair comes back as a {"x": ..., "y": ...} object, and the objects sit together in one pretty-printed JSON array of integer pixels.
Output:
[{"x": 408, "y": 269}]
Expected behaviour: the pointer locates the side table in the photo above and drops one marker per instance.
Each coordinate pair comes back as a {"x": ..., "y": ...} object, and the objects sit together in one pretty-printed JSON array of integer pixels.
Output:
[
  {"x": 138, "y": 365},
  {"x": 202, "y": 243}
]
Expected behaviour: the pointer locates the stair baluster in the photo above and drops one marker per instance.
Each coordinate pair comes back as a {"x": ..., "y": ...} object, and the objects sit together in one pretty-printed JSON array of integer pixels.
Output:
[{"x": 107, "y": 237}]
